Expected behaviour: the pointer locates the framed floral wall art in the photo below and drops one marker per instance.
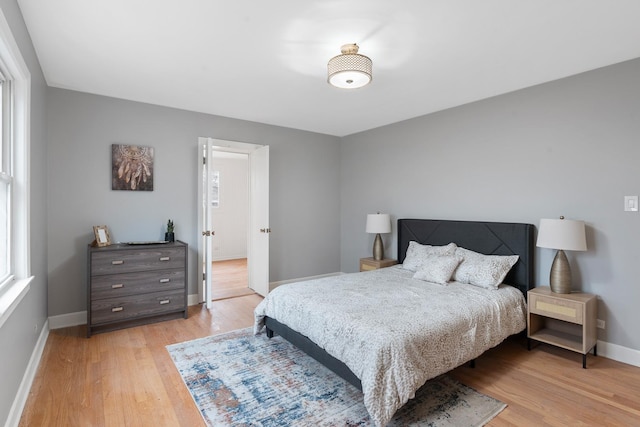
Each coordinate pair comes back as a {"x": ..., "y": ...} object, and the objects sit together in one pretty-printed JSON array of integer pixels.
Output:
[{"x": 131, "y": 167}]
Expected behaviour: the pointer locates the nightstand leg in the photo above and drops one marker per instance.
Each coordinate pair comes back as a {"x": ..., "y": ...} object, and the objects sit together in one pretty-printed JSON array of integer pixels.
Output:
[
  {"x": 584, "y": 361},
  {"x": 595, "y": 350},
  {"x": 528, "y": 344}
]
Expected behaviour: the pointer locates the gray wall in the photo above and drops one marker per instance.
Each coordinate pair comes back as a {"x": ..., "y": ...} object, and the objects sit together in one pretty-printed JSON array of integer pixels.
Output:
[
  {"x": 570, "y": 147},
  {"x": 304, "y": 206},
  {"x": 563, "y": 148},
  {"x": 19, "y": 334},
  {"x": 231, "y": 217}
]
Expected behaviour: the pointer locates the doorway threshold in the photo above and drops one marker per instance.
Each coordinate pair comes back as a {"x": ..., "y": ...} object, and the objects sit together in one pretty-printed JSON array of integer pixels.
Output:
[{"x": 220, "y": 294}]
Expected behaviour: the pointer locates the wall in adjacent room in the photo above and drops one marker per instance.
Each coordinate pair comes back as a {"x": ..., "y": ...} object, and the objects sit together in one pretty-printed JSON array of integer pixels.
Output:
[
  {"x": 81, "y": 129},
  {"x": 230, "y": 217},
  {"x": 569, "y": 147}
]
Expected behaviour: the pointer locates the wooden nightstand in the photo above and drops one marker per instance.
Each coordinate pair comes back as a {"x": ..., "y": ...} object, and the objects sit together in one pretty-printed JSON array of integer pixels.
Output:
[
  {"x": 564, "y": 320},
  {"x": 367, "y": 264}
]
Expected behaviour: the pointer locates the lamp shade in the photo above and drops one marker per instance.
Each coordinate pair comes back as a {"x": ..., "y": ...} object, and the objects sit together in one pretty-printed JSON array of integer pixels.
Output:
[
  {"x": 564, "y": 234},
  {"x": 349, "y": 70},
  {"x": 378, "y": 223}
]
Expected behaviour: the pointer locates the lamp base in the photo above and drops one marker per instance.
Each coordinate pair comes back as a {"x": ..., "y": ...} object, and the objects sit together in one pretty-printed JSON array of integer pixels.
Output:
[
  {"x": 560, "y": 277},
  {"x": 378, "y": 248}
]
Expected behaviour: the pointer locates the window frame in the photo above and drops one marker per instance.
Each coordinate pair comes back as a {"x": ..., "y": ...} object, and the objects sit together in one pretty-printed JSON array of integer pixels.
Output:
[
  {"x": 6, "y": 170},
  {"x": 15, "y": 70}
]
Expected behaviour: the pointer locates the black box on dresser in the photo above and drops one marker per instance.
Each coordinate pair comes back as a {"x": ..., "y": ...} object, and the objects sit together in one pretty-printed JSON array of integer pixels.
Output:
[{"x": 130, "y": 285}]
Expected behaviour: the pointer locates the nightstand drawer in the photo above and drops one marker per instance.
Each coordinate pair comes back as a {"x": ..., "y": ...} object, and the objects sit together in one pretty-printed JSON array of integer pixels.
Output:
[
  {"x": 556, "y": 308},
  {"x": 367, "y": 267},
  {"x": 368, "y": 264}
]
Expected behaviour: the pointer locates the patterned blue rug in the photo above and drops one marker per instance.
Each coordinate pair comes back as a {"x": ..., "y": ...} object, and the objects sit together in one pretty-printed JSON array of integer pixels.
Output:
[{"x": 238, "y": 379}]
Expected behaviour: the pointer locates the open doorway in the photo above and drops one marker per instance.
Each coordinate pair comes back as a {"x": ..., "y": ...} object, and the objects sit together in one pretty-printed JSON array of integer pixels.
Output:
[
  {"x": 230, "y": 215},
  {"x": 216, "y": 192}
]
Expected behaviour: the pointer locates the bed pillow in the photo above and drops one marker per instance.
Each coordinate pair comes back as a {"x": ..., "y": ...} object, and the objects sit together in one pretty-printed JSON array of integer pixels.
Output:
[
  {"x": 417, "y": 252},
  {"x": 486, "y": 271},
  {"x": 437, "y": 268}
]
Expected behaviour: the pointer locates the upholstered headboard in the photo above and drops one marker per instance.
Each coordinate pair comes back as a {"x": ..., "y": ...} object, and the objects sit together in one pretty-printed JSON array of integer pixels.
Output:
[{"x": 489, "y": 238}]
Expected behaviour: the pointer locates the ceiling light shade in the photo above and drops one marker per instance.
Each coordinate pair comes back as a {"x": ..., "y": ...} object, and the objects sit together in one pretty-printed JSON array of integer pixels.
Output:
[{"x": 350, "y": 70}]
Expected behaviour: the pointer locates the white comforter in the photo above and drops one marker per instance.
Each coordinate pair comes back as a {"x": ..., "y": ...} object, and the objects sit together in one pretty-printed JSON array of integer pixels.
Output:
[{"x": 395, "y": 332}]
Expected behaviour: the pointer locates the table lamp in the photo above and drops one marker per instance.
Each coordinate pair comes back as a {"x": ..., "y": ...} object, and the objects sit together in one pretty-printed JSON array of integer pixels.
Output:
[
  {"x": 378, "y": 223},
  {"x": 561, "y": 234}
]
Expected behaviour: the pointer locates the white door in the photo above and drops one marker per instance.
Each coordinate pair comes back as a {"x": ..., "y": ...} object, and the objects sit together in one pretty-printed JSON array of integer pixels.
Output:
[
  {"x": 259, "y": 230},
  {"x": 258, "y": 233},
  {"x": 205, "y": 221}
]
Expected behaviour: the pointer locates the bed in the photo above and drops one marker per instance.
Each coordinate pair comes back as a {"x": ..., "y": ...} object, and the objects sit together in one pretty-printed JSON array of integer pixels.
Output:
[{"x": 387, "y": 332}]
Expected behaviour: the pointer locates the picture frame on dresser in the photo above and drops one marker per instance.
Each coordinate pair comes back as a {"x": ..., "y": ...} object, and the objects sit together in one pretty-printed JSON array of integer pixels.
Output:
[{"x": 101, "y": 234}]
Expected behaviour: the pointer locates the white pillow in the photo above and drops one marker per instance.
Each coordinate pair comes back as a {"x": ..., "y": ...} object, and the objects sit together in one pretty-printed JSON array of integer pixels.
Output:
[
  {"x": 486, "y": 271},
  {"x": 417, "y": 252},
  {"x": 437, "y": 268}
]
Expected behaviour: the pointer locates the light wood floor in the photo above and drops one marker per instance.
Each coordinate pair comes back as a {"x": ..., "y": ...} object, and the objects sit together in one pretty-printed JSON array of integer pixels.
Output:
[
  {"x": 230, "y": 279},
  {"x": 126, "y": 378}
]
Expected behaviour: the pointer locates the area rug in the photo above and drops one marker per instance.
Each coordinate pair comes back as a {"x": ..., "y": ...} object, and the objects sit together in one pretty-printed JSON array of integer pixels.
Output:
[{"x": 238, "y": 379}]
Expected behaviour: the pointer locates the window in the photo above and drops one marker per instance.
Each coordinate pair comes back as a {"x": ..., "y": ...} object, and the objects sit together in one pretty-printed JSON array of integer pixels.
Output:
[
  {"x": 15, "y": 96},
  {"x": 6, "y": 180},
  {"x": 215, "y": 189}
]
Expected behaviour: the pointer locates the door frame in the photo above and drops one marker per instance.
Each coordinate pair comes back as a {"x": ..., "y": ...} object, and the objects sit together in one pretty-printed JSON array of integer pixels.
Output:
[{"x": 233, "y": 147}]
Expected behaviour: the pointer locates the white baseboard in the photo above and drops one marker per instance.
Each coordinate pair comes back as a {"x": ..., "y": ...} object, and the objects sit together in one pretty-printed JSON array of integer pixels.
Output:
[
  {"x": 69, "y": 319},
  {"x": 193, "y": 299},
  {"x": 80, "y": 317},
  {"x": 27, "y": 379},
  {"x": 605, "y": 349},
  {"x": 619, "y": 353}
]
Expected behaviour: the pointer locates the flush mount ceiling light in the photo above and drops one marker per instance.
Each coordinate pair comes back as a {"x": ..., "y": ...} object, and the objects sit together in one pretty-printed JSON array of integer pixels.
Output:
[{"x": 350, "y": 70}]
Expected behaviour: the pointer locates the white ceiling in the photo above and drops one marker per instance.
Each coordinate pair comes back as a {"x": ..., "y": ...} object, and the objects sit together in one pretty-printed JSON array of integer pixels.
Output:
[{"x": 266, "y": 61}]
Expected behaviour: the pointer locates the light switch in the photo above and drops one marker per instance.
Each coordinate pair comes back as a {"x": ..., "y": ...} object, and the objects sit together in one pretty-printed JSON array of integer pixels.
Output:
[{"x": 631, "y": 203}]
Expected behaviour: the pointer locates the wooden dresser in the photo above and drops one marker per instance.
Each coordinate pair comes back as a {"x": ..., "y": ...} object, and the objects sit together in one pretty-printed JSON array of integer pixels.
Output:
[{"x": 131, "y": 285}]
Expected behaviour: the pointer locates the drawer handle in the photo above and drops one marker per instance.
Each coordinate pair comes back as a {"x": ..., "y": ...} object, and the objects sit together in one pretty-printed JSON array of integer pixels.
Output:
[
  {"x": 165, "y": 258},
  {"x": 117, "y": 286},
  {"x": 165, "y": 301},
  {"x": 118, "y": 262},
  {"x": 165, "y": 280},
  {"x": 116, "y": 309}
]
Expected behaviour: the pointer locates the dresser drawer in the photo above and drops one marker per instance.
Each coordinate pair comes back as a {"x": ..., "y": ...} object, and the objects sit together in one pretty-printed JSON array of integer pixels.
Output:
[
  {"x": 556, "y": 308},
  {"x": 126, "y": 261},
  {"x": 119, "y": 285},
  {"x": 133, "y": 306}
]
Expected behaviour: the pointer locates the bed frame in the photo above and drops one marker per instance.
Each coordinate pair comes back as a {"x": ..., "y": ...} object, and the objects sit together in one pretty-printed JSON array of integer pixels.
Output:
[{"x": 489, "y": 238}]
